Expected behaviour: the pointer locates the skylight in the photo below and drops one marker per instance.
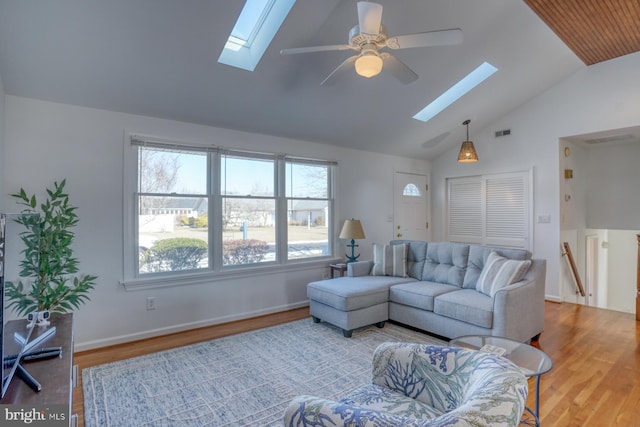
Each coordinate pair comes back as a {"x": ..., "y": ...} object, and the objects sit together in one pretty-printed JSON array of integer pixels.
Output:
[
  {"x": 256, "y": 26},
  {"x": 456, "y": 91}
]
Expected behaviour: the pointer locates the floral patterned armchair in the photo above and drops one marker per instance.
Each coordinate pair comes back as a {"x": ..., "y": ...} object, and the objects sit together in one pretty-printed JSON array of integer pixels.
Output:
[{"x": 423, "y": 385}]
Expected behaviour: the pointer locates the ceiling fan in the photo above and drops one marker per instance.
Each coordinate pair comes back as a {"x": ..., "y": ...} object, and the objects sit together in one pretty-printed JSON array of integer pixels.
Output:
[{"x": 369, "y": 36}]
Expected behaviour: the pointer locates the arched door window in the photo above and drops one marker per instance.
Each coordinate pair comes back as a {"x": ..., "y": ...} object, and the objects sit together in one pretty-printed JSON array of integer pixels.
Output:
[{"x": 411, "y": 190}]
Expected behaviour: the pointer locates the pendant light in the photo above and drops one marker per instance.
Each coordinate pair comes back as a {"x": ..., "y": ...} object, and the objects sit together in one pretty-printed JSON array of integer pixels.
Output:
[{"x": 467, "y": 151}]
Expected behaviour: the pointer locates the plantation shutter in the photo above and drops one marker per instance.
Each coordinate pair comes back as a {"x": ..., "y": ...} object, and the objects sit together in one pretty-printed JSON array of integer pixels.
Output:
[
  {"x": 465, "y": 210},
  {"x": 490, "y": 209}
]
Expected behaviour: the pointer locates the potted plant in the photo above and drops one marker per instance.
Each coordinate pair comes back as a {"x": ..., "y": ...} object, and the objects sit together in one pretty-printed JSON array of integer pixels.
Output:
[{"x": 48, "y": 267}]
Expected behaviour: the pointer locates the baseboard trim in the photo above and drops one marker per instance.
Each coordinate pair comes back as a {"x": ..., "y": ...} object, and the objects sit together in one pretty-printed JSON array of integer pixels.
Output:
[
  {"x": 553, "y": 298},
  {"x": 121, "y": 339}
]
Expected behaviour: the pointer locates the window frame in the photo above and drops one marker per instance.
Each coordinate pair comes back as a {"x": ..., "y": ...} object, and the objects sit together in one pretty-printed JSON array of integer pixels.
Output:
[{"x": 133, "y": 279}]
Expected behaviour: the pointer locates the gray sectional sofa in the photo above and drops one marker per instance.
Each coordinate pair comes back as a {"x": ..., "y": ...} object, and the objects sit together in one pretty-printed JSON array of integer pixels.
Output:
[{"x": 448, "y": 289}]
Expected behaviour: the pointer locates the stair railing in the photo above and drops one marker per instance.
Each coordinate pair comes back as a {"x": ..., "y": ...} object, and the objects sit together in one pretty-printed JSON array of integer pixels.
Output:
[{"x": 574, "y": 269}]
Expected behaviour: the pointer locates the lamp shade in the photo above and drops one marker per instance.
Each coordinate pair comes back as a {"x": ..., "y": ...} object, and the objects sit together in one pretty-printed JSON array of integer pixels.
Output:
[
  {"x": 467, "y": 153},
  {"x": 352, "y": 229},
  {"x": 368, "y": 64}
]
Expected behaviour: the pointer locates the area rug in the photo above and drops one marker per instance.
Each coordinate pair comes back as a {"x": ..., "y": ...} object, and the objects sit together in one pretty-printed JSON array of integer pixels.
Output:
[{"x": 241, "y": 380}]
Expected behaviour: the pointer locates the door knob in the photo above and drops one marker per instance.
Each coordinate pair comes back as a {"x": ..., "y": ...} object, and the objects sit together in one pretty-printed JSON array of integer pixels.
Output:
[{"x": 399, "y": 234}]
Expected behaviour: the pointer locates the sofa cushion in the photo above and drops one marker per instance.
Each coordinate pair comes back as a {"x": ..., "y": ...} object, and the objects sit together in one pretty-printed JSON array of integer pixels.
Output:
[
  {"x": 467, "y": 305},
  {"x": 499, "y": 272},
  {"x": 446, "y": 263},
  {"x": 478, "y": 257},
  {"x": 353, "y": 293},
  {"x": 419, "y": 294},
  {"x": 415, "y": 256},
  {"x": 390, "y": 260}
]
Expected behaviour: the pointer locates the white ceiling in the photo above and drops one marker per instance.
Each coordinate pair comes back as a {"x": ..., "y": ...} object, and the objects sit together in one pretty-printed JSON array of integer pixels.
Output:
[{"x": 159, "y": 58}]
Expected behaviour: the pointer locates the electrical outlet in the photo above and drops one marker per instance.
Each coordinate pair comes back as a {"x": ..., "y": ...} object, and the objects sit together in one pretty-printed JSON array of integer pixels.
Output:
[{"x": 151, "y": 303}]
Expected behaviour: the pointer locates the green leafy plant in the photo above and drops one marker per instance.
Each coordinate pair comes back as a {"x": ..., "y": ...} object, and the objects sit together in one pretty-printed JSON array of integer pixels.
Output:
[
  {"x": 48, "y": 279},
  {"x": 178, "y": 253}
]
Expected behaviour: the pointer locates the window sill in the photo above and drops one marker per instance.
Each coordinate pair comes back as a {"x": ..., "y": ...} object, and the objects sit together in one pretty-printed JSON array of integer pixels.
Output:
[{"x": 155, "y": 282}]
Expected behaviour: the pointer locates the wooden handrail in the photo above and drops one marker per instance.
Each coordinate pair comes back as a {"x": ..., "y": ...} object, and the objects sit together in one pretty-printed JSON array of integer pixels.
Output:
[{"x": 574, "y": 269}]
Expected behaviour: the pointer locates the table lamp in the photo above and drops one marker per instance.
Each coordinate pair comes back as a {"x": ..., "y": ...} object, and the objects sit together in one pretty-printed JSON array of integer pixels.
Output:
[{"x": 352, "y": 229}]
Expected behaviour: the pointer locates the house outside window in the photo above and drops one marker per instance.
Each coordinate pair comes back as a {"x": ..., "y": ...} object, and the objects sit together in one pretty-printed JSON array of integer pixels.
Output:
[{"x": 207, "y": 210}]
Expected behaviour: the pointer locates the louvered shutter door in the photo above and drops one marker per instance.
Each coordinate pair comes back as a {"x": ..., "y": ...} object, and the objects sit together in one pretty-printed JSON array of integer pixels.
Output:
[
  {"x": 507, "y": 207},
  {"x": 490, "y": 209},
  {"x": 465, "y": 210}
]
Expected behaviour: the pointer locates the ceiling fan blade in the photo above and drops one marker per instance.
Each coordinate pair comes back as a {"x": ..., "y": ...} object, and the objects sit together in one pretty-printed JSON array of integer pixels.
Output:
[
  {"x": 369, "y": 17},
  {"x": 398, "y": 69},
  {"x": 431, "y": 38},
  {"x": 312, "y": 49},
  {"x": 342, "y": 68}
]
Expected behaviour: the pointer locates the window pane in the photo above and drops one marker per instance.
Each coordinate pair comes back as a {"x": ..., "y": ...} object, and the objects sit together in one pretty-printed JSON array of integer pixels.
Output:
[
  {"x": 307, "y": 180},
  {"x": 167, "y": 171},
  {"x": 249, "y": 234},
  {"x": 247, "y": 177},
  {"x": 307, "y": 229},
  {"x": 172, "y": 233},
  {"x": 411, "y": 190}
]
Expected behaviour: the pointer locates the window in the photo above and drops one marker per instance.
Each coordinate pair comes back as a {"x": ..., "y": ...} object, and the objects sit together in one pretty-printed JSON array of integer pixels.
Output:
[
  {"x": 490, "y": 209},
  {"x": 257, "y": 25},
  {"x": 200, "y": 210},
  {"x": 455, "y": 92},
  {"x": 308, "y": 208},
  {"x": 248, "y": 209},
  {"x": 411, "y": 190},
  {"x": 172, "y": 210}
]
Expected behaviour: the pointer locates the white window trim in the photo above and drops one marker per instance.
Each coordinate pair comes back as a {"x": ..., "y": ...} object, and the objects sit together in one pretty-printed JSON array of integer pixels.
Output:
[{"x": 131, "y": 278}]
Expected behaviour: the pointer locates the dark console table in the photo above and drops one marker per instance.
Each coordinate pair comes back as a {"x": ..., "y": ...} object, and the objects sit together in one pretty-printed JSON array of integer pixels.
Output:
[{"x": 57, "y": 375}]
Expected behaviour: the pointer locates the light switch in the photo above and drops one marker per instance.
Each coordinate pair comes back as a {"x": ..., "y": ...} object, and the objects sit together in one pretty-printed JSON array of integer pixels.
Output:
[{"x": 544, "y": 219}]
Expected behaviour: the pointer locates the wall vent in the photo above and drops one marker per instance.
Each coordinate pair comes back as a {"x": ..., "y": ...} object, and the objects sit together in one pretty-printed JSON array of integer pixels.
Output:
[{"x": 503, "y": 132}]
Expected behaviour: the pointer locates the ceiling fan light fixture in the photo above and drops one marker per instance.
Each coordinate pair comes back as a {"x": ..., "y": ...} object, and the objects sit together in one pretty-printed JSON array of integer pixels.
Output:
[
  {"x": 368, "y": 64},
  {"x": 467, "y": 150}
]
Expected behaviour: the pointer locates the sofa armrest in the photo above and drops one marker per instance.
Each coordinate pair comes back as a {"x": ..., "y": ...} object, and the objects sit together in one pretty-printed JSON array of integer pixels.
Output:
[
  {"x": 359, "y": 268},
  {"x": 305, "y": 411},
  {"x": 458, "y": 382},
  {"x": 518, "y": 310},
  {"x": 445, "y": 377}
]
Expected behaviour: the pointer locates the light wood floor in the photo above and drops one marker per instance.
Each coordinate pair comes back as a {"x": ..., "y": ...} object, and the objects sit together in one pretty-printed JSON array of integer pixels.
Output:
[{"x": 595, "y": 380}]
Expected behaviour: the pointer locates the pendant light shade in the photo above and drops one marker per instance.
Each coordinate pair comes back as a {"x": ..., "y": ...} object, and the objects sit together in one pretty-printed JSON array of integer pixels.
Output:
[{"x": 467, "y": 151}]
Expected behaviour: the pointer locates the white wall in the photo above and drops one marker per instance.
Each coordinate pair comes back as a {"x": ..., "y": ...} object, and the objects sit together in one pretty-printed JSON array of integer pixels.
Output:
[
  {"x": 1, "y": 144},
  {"x": 600, "y": 97},
  {"x": 604, "y": 201},
  {"x": 614, "y": 167},
  {"x": 621, "y": 280},
  {"x": 46, "y": 141}
]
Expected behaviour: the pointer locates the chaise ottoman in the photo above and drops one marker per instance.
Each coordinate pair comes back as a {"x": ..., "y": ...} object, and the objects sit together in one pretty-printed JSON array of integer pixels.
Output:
[{"x": 352, "y": 302}]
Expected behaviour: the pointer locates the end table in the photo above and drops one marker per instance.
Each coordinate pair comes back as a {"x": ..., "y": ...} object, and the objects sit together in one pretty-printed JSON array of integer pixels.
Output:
[{"x": 341, "y": 268}]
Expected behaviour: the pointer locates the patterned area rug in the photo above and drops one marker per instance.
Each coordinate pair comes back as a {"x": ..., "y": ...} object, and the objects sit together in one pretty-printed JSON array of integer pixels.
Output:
[{"x": 246, "y": 379}]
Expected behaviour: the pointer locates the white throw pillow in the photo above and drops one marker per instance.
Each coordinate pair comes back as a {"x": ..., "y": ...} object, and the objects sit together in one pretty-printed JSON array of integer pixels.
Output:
[
  {"x": 499, "y": 272},
  {"x": 390, "y": 260}
]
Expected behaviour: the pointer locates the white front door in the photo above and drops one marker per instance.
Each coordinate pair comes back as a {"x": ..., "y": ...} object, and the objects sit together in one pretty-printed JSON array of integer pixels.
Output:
[{"x": 410, "y": 206}]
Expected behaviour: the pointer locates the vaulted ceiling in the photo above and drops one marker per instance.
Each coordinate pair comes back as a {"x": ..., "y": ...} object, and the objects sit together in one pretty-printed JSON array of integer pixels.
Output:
[{"x": 159, "y": 58}]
